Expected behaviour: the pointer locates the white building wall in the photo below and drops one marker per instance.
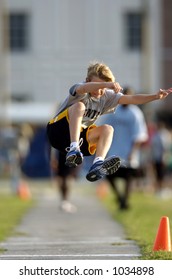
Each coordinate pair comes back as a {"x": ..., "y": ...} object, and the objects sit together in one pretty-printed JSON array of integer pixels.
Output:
[
  {"x": 67, "y": 34},
  {"x": 4, "y": 67}
]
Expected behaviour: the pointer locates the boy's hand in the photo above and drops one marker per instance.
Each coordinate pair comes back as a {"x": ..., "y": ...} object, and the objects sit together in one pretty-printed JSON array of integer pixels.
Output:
[
  {"x": 116, "y": 87},
  {"x": 163, "y": 93}
]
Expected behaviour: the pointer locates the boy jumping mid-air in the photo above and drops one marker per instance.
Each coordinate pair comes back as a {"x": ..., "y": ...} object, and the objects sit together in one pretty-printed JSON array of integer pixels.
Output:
[{"x": 73, "y": 132}]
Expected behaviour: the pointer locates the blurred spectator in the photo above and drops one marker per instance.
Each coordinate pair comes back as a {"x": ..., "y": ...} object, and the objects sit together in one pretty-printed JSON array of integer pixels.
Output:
[
  {"x": 64, "y": 175},
  {"x": 160, "y": 150},
  {"x": 26, "y": 134},
  {"x": 130, "y": 132},
  {"x": 9, "y": 155},
  {"x": 36, "y": 162}
]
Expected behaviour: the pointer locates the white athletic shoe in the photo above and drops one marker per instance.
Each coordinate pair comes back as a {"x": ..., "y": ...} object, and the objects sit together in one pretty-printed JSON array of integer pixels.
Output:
[{"x": 68, "y": 207}]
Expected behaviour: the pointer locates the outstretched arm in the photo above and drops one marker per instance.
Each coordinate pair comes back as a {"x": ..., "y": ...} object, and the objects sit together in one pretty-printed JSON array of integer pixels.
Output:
[
  {"x": 144, "y": 98},
  {"x": 94, "y": 86}
]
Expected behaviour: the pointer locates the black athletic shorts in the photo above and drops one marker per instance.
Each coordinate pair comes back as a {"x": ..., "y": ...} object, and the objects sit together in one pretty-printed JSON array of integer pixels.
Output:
[{"x": 59, "y": 135}]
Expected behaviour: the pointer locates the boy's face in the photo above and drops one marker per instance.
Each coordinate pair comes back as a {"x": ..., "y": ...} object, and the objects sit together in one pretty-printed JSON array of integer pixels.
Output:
[{"x": 98, "y": 93}]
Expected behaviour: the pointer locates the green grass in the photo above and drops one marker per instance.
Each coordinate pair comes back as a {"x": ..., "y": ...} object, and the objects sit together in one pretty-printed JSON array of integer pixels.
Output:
[
  {"x": 142, "y": 220},
  {"x": 12, "y": 210}
]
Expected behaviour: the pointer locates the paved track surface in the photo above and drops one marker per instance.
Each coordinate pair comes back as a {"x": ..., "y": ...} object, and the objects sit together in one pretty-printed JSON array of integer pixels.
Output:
[{"x": 46, "y": 232}]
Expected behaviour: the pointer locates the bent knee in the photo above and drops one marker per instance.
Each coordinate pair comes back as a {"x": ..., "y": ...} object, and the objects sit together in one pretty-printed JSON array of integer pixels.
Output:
[
  {"x": 106, "y": 128},
  {"x": 78, "y": 106},
  {"x": 76, "y": 109}
]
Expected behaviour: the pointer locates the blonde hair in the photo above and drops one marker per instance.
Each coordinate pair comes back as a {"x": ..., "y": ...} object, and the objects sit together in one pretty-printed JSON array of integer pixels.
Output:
[{"x": 100, "y": 70}]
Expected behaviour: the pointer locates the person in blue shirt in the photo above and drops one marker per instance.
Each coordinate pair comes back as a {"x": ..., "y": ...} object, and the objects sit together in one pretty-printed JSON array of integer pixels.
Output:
[{"x": 130, "y": 132}]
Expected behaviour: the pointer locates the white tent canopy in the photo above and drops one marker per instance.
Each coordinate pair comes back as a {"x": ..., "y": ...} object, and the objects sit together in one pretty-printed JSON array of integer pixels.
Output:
[{"x": 36, "y": 113}]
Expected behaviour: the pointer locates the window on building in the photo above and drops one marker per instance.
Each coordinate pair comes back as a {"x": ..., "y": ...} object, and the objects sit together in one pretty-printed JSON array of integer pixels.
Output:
[
  {"x": 18, "y": 31},
  {"x": 133, "y": 25},
  {"x": 21, "y": 97}
]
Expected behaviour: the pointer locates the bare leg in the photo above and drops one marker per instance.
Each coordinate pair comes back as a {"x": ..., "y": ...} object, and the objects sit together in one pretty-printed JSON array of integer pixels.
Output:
[
  {"x": 76, "y": 113},
  {"x": 102, "y": 136},
  {"x": 64, "y": 188}
]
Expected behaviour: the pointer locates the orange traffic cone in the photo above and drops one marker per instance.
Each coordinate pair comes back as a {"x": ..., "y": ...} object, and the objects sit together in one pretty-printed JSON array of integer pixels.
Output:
[
  {"x": 163, "y": 238},
  {"x": 24, "y": 191},
  {"x": 102, "y": 189}
]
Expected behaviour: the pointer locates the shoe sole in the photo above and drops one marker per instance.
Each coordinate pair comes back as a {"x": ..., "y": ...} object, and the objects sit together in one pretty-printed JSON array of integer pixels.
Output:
[
  {"x": 93, "y": 176},
  {"x": 109, "y": 167},
  {"x": 74, "y": 160}
]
